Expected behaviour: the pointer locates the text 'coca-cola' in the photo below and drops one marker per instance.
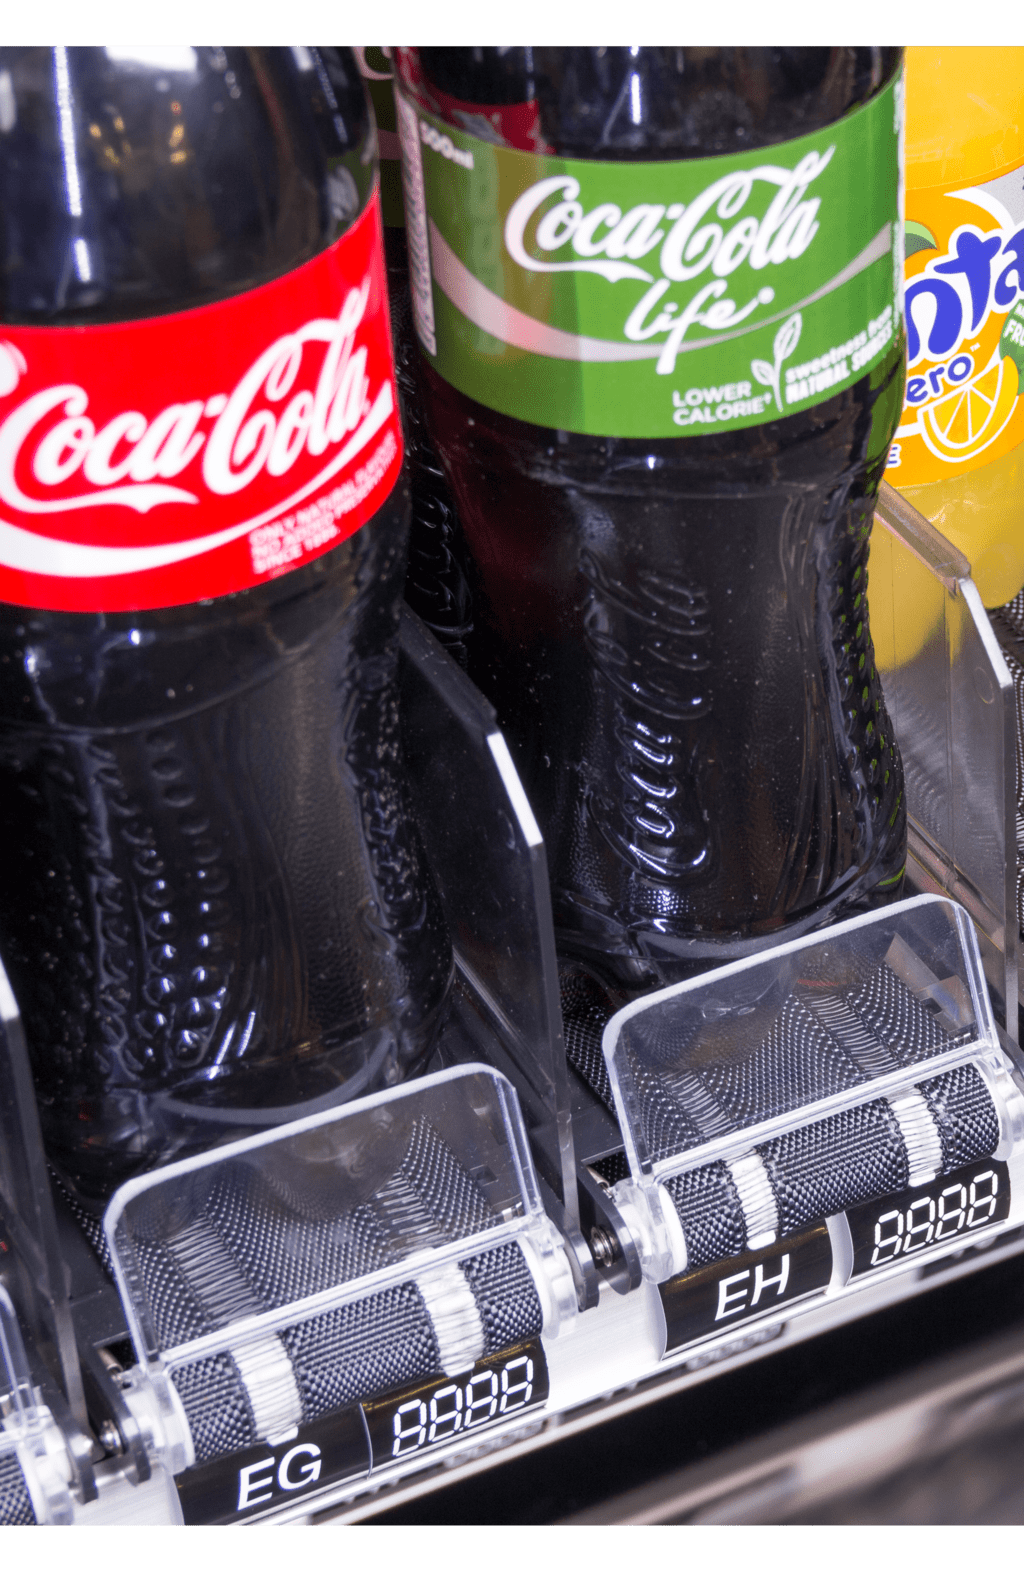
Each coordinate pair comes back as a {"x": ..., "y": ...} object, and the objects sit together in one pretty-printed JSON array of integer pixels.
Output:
[{"x": 167, "y": 460}]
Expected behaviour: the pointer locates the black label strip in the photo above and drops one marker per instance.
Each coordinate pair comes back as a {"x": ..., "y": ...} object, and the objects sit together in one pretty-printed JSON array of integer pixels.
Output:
[
  {"x": 950, "y": 1208},
  {"x": 438, "y": 1411},
  {"x": 721, "y": 1296},
  {"x": 243, "y": 1485},
  {"x": 348, "y": 1444}
]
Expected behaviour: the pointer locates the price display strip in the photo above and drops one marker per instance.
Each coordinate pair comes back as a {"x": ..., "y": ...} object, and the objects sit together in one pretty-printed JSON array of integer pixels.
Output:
[
  {"x": 951, "y": 1207},
  {"x": 721, "y": 1296},
  {"x": 233, "y": 1489},
  {"x": 351, "y": 1443},
  {"x": 436, "y": 1411}
]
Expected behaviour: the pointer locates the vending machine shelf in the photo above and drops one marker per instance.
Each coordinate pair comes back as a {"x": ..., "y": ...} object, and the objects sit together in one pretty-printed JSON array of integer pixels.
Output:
[{"x": 577, "y": 1214}]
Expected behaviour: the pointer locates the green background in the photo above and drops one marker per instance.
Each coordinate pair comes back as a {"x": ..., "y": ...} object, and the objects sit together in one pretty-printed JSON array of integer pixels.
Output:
[{"x": 858, "y": 190}]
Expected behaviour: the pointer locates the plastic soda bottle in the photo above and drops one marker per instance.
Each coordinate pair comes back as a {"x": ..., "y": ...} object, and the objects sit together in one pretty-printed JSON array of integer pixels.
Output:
[
  {"x": 215, "y": 910},
  {"x": 658, "y": 300},
  {"x": 958, "y": 454}
]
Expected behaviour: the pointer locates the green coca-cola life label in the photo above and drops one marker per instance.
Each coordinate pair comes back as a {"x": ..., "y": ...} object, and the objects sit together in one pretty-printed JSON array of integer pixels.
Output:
[{"x": 656, "y": 298}]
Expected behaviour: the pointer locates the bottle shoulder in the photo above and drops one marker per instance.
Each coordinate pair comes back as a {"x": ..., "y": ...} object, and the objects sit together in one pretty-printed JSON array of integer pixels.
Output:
[
  {"x": 144, "y": 182},
  {"x": 642, "y": 103}
]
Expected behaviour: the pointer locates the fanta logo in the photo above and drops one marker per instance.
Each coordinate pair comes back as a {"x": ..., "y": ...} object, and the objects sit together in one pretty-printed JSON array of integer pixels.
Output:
[
  {"x": 263, "y": 424},
  {"x": 982, "y": 274}
]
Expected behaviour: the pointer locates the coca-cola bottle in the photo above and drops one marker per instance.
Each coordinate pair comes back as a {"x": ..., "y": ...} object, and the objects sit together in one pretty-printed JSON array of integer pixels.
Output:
[
  {"x": 436, "y": 585},
  {"x": 658, "y": 299},
  {"x": 214, "y": 907}
]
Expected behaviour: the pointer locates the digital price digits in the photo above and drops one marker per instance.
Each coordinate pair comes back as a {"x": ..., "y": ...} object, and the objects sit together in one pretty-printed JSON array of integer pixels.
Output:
[
  {"x": 931, "y": 1220},
  {"x": 426, "y": 1415},
  {"x": 455, "y": 1408},
  {"x": 891, "y": 1229}
]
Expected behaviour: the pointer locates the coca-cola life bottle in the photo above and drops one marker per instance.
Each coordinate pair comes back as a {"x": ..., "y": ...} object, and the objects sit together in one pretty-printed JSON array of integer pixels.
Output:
[
  {"x": 658, "y": 296},
  {"x": 214, "y": 908}
]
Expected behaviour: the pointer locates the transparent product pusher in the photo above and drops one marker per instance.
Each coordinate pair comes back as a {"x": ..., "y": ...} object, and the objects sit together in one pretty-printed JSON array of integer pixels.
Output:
[
  {"x": 815, "y": 1117},
  {"x": 316, "y": 1303},
  {"x": 313, "y": 1303}
]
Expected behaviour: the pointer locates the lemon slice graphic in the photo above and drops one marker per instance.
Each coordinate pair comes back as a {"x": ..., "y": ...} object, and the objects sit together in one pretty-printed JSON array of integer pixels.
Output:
[{"x": 963, "y": 423}]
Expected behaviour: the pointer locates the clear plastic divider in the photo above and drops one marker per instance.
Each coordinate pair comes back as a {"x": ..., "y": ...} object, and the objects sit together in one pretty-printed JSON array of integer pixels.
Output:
[
  {"x": 488, "y": 859},
  {"x": 31, "y": 1264},
  {"x": 283, "y": 1225},
  {"x": 950, "y": 697}
]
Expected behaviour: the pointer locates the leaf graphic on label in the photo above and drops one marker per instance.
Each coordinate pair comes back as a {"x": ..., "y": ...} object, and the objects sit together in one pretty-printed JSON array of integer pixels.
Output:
[
  {"x": 787, "y": 337},
  {"x": 916, "y": 236},
  {"x": 1011, "y": 343},
  {"x": 763, "y": 372}
]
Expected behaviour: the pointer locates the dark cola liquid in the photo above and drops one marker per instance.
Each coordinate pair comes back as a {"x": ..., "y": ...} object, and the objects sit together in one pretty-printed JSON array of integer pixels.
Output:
[
  {"x": 214, "y": 907},
  {"x": 436, "y": 582},
  {"x": 436, "y": 586},
  {"x": 674, "y": 631}
]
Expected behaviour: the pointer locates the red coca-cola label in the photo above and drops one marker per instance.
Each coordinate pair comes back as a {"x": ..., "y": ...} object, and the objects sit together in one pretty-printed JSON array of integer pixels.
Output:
[{"x": 162, "y": 461}]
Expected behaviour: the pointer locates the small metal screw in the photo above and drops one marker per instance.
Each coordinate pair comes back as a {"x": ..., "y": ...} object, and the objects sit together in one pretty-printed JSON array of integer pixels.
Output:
[
  {"x": 110, "y": 1439},
  {"x": 602, "y": 1246}
]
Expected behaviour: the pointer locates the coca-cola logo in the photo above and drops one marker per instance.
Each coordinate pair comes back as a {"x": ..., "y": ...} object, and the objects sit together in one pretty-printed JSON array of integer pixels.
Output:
[
  {"x": 125, "y": 449},
  {"x": 770, "y": 233},
  {"x": 52, "y": 439}
]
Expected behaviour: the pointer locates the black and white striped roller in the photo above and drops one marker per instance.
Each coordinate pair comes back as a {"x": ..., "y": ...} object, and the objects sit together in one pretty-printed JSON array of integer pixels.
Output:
[
  {"x": 252, "y": 1246},
  {"x": 15, "y": 1499},
  {"x": 882, "y": 1147},
  {"x": 822, "y": 1041}
]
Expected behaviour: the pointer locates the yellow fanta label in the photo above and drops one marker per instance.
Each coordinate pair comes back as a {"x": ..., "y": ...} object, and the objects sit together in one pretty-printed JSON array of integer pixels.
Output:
[{"x": 965, "y": 330}]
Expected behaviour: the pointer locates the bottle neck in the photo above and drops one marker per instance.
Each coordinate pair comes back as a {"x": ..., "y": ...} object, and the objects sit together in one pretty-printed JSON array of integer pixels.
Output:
[
  {"x": 641, "y": 103},
  {"x": 144, "y": 182}
]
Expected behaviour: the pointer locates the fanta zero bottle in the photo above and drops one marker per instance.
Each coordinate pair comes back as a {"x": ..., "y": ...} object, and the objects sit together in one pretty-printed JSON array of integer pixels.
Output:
[{"x": 958, "y": 454}]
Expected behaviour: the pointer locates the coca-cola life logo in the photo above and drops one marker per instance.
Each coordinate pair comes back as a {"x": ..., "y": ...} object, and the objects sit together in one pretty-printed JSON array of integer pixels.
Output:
[{"x": 162, "y": 461}]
